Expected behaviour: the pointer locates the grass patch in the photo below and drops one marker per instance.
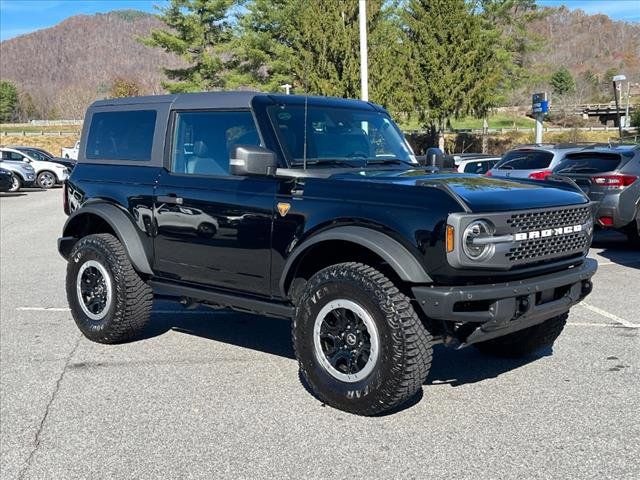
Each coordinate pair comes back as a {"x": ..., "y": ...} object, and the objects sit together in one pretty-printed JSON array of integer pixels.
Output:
[{"x": 498, "y": 120}]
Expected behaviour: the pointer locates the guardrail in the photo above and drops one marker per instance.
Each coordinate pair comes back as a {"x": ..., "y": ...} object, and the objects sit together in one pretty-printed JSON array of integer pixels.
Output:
[{"x": 526, "y": 130}]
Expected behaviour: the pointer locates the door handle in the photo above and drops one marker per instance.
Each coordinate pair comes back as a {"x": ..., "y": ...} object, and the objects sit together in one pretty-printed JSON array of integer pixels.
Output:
[{"x": 170, "y": 198}]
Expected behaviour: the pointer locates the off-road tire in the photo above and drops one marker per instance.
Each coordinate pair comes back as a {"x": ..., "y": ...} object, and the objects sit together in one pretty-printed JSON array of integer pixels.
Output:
[
  {"x": 130, "y": 308},
  {"x": 16, "y": 184},
  {"x": 405, "y": 346},
  {"x": 525, "y": 342}
]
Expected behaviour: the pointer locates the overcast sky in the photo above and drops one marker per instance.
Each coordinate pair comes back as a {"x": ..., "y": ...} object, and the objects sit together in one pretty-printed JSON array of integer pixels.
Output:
[{"x": 23, "y": 16}]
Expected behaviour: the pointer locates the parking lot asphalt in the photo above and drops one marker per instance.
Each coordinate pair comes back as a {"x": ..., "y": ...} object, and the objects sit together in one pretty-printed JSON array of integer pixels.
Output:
[{"x": 217, "y": 395}]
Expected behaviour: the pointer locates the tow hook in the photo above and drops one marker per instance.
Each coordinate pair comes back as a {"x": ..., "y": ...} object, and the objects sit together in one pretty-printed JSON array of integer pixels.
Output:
[{"x": 587, "y": 286}]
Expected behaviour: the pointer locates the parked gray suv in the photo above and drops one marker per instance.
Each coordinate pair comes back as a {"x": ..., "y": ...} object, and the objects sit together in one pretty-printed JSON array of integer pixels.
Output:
[
  {"x": 532, "y": 161},
  {"x": 22, "y": 173},
  {"x": 610, "y": 176}
]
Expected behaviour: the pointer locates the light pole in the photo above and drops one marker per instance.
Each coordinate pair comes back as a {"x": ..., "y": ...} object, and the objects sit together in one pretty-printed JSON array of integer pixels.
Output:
[
  {"x": 364, "y": 69},
  {"x": 287, "y": 88},
  {"x": 618, "y": 79}
]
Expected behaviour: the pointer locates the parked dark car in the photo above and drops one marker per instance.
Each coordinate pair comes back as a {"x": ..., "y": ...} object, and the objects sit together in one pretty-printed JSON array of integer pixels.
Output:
[
  {"x": 42, "y": 155},
  {"x": 610, "y": 176},
  {"x": 316, "y": 210},
  {"x": 6, "y": 180}
]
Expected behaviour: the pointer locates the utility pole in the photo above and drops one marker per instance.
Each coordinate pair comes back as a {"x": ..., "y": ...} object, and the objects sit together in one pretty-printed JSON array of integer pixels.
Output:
[
  {"x": 617, "y": 81},
  {"x": 364, "y": 68}
]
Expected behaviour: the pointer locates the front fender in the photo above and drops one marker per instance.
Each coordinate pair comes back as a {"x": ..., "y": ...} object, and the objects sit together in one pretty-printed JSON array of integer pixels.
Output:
[
  {"x": 139, "y": 249},
  {"x": 401, "y": 260}
]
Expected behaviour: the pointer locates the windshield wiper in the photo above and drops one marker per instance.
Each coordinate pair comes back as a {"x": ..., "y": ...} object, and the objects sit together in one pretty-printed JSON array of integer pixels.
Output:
[
  {"x": 389, "y": 161},
  {"x": 578, "y": 170},
  {"x": 330, "y": 161}
]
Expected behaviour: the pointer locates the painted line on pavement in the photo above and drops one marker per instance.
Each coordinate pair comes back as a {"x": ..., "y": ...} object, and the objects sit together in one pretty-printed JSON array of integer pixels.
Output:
[
  {"x": 610, "y": 316},
  {"x": 66, "y": 309}
]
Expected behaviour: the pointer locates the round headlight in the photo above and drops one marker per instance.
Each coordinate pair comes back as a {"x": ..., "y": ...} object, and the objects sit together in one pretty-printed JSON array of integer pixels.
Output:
[{"x": 472, "y": 238}]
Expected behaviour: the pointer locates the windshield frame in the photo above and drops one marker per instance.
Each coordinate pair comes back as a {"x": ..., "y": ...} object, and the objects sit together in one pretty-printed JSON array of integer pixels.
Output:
[{"x": 357, "y": 162}]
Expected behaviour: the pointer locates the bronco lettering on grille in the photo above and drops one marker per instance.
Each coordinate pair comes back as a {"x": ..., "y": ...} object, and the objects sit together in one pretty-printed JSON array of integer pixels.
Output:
[{"x": 550, "y": 232}]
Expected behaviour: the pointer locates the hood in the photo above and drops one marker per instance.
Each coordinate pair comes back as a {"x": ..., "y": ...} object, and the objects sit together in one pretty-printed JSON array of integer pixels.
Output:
[{"x": 478, "y": 193}]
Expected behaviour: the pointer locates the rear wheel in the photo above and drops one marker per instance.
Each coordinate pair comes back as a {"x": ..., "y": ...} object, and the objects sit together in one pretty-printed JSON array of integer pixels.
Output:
[
  {"x": 109, "y": 301},
  {"x": 525, "y": 342},
  {"x": 359, "y": 343},
  {"x": 46, "y": 179}
]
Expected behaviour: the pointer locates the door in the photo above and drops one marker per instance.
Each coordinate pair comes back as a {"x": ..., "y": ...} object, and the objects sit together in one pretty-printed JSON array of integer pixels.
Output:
[{"x": 213, "y": 229}]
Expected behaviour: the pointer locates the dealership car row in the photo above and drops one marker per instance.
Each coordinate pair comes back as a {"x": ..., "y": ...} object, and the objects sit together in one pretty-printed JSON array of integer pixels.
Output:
[{"x": 607, "y": 173}]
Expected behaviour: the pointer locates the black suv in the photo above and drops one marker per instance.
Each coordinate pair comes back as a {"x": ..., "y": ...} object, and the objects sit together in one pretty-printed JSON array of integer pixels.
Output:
[{"x": 315, "y": 209}]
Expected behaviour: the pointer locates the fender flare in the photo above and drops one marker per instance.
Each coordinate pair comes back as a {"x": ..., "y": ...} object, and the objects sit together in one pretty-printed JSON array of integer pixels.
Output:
[
  {"x": 399, "y": 258},
  {"x": 137, "y": 249}
]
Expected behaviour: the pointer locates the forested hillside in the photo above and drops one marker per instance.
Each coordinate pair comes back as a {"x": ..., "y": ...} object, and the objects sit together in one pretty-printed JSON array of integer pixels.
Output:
[
  {"x": 59, "y": 70},
  {"x": 65, "y": 67}
]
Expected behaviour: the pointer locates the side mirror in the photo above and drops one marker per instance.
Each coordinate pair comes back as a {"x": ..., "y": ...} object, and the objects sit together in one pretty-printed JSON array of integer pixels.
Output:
[{"x": 252, "y": 160}]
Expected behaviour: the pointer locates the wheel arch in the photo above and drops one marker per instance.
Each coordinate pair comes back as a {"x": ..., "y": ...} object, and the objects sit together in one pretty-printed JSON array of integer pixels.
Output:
[
  {"x": 364, "y": 242},
  {"x": 102, "y": 217}
]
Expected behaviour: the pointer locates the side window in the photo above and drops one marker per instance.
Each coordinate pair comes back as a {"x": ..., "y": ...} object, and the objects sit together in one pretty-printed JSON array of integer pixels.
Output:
[
  {"x": 202, "y": 141},
  {"x": 16, "y": 156},
  {"x": 125, "y": 135}
]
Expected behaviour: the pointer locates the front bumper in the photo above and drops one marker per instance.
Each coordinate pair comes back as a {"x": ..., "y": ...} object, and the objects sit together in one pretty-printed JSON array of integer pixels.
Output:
[{"x": 503, "y": 308}]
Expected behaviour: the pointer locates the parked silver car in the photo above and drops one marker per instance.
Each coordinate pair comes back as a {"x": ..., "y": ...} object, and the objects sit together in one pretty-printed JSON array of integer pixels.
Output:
[
  {"x": 532, "y": 161},
  {"x": 611, "y": 177},
  {"x": 23, "y": 174}
]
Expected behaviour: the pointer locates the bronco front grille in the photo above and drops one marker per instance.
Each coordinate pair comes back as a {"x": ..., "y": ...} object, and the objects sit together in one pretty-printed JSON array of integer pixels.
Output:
[
  {"x": 537, "y": 249},
  {"x": 527, "y": 221}
]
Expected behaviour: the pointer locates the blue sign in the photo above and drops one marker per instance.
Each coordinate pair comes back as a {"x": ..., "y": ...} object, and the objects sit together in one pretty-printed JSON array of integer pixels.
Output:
[{"x": 541, "y": 107}]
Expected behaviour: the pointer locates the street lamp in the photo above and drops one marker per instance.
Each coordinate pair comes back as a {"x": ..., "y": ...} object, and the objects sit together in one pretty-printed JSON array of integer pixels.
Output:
[
  {"x": 616, "y": 80},
  {"x": 287, "y": 88}
]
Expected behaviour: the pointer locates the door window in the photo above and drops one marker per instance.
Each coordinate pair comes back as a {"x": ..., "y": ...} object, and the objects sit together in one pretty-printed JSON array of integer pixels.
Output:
[
  {"x": 12, "y": 156},
  {"x": 202, "y": 141}
]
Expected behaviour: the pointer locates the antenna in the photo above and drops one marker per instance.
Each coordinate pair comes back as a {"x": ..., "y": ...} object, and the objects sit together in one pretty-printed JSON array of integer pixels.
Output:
[
  {"x": 306, "y": 110},
  {"x": 304, "y": 147}
]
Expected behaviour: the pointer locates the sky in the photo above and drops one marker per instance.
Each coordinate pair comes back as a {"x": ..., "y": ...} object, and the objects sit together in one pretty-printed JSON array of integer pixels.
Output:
[{"x": 18, "y": 17}]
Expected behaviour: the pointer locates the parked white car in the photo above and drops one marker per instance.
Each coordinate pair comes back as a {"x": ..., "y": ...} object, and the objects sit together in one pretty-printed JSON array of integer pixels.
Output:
[
  {"x": 479, "y": 165},
  {"x": 71, "y": 152},
  {"x": 47, "y": 174}
]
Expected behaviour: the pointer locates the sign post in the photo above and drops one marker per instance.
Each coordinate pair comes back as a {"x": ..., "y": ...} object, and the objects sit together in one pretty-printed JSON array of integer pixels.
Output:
[{"x": 540, "y": 106}]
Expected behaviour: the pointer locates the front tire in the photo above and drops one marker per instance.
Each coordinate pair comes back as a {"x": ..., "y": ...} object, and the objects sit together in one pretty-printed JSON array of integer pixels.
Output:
[
  {"x": 359, "y": 343},
  {"x": 633, "y": 232},
  {"x": 46, "y": 180},
  {"x": 109, "y": 301},
  {"x": 16, "y": 183},
  {"x": 527, "y": 341}
]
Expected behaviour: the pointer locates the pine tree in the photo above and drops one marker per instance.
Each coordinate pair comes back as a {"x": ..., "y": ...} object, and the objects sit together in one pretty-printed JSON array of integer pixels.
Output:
[
  {"x": 8, "y": 101},
  {"x": 456, "y": 63},
  {"x": 200, "y": 32},
  {"x": 562, "y": 82}
]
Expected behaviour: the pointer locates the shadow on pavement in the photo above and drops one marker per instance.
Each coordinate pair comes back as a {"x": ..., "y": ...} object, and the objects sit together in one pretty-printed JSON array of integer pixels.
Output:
[
  {"x": 269, "y": 335},
  {"x": 11, "y": 194},
  {"x": 460, "y": 367},
  {"x": 616, "y": 248}
]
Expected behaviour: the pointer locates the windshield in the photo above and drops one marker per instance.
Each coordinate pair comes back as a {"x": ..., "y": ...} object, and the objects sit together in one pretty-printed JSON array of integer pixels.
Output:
[
  {"x": 525, "y": 160},
  {"x": 348, "y": 137},
  {"x": 589, "y": 163}
]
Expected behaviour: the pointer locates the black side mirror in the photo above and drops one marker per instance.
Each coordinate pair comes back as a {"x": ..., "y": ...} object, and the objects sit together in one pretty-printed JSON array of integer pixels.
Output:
[{"x": 252, "y": 160}]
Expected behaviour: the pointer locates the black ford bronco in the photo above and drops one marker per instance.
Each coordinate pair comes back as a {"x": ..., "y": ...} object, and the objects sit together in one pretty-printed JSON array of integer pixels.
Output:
[{"x": 315, "y": 209}]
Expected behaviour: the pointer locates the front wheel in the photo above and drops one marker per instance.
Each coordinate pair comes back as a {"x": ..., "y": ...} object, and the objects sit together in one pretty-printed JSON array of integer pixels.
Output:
[
  {"x": 633, "y": 232},
  {"x": 527, "y": 341},
  {"x": 109, "y": 301},
  {"x": 359, "y": 343},
  {"x": 46, "y": 180},
  {"x": 16, "y": 183}
]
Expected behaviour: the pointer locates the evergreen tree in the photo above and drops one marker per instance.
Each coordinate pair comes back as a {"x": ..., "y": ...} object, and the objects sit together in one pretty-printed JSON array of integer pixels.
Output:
[
  {"x": 562, "y": 82},
  {"x": 8, "y": 101},
  {"x": 200, "y": 32},
  {"x": 315, "y": 47},
  {"x": 456, "y": 61}
]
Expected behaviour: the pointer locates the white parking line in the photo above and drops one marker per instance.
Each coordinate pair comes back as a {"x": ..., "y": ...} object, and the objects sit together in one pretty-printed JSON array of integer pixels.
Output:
[
  {"x": 610, "y": 316},
  {"x": 621, "y": 263},
  {"x": 599, "y": 325}
]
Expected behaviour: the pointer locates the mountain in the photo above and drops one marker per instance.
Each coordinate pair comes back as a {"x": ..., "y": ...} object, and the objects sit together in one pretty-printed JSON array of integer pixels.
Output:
[{"x": 65, "y": 67}]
